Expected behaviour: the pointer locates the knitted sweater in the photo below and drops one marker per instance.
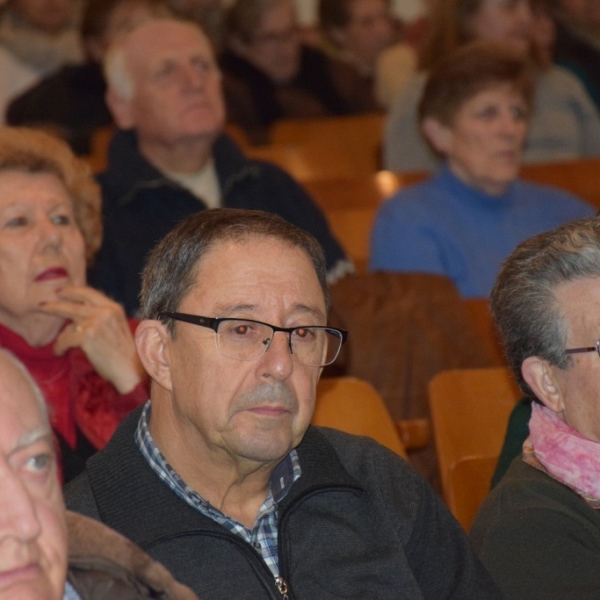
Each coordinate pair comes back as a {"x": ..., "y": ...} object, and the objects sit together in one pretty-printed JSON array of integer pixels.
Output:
[
  {"x": 359, "y": 523},
  {"x": 445, "y": 227},
  {"x": 538, "y": 538}
]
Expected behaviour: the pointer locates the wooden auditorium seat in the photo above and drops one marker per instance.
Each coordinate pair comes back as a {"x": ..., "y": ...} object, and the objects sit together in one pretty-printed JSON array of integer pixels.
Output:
[
  {"x": 470, "y": 409},
  {"x": 354, "y": 406},
  {"x": 359, "y": 135}
]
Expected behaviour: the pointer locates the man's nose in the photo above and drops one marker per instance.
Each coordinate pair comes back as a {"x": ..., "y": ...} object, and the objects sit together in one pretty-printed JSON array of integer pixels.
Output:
[
  {"x": 277, "y": 361},
  {"x": 193, "y": 77},
  {"x": 18, "y": 516}
]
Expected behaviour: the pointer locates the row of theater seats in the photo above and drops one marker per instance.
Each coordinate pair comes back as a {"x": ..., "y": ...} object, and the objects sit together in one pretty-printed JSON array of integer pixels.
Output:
[{"x": 469, "y": 412}]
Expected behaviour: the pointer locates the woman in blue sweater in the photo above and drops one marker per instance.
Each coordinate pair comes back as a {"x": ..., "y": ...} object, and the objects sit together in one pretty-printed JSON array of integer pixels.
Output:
[{"x": 464, "y": 221}]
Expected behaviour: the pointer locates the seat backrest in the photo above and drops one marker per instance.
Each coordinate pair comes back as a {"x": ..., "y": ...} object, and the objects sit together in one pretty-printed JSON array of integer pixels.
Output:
[
  {"x": 580, "y": 177},
  {"x": 470, "y": 409},
  {"x": 313, "y": 160},
  {"x": 468, "y": 485},
  {"x": 360, "y": 135},
  {"x": 352, "y": 405}
]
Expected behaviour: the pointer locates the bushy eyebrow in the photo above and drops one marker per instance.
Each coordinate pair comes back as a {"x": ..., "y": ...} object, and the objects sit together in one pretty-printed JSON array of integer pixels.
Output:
[{"x": 31, "y": 437}]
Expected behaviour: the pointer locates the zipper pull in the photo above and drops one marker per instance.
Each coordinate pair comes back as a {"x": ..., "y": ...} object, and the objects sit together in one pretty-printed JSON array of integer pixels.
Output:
[{"x": 282, "y": 587}]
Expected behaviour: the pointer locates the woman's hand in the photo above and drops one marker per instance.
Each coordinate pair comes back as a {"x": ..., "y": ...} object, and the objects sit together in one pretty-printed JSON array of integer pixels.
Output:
[{"x": 99, "y": 327}]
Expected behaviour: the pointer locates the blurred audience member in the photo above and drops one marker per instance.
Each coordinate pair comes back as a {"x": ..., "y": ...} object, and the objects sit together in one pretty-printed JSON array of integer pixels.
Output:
[
  {"x": 565, "y": 123},
  {"x": 538, "y": 532},
  {"x": 209, "y": 14},
  {"x": 76, "y": 343},
  {"x": 171, "y": 159},
  {"x": 42, "y": 33},
  {"x": 577, "y": 46},
  {"x": 15, "y": 76},
  {"x": 269, "y": 74},
  {"x": 45, "y": 552},
  {"x": 463, "y": 222},
  {"x": 361, "y": 33},
  {"x": 71, "y": 101}
]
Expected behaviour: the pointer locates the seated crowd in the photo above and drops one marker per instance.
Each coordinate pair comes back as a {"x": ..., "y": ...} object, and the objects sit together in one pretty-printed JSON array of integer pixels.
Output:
[{"x": 164, "y": 326}]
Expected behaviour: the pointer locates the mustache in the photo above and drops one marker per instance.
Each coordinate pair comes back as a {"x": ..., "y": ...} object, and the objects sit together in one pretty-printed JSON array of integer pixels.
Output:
[{"x": 278, "y": 393}]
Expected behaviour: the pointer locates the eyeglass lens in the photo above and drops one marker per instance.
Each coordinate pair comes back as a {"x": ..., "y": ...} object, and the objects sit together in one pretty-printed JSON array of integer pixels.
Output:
[{"x": 246, "y": 340}]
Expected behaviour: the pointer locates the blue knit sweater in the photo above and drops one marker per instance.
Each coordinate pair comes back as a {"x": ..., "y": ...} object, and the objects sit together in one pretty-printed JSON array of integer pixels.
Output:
[{"x": 445, "y": 227}]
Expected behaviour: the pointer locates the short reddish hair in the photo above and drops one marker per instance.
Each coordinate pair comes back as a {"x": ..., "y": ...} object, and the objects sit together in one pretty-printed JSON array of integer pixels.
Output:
[{"x": 469, "y": 70}]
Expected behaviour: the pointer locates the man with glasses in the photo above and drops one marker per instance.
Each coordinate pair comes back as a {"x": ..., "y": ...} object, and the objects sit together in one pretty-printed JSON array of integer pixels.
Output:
[
  {"x": 221, "y": 476},
  {"x": 539, "y": 530}
]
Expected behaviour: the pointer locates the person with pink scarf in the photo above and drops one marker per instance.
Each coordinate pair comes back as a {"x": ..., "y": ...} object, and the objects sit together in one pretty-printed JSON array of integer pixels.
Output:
[{"x": 538, "y": 532}]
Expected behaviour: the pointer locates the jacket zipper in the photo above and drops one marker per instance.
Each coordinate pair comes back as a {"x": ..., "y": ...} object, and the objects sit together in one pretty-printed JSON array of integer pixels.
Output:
[{"x": 282, "y": 587}]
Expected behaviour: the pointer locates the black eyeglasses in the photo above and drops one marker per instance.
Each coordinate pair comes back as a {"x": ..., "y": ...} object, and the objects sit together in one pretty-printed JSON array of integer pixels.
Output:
[
  {"x": 246, "y": 339},
  {"x": 595, "y": 348}
]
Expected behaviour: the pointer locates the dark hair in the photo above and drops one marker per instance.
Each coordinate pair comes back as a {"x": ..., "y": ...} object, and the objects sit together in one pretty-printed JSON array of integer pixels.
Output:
[
  {"x": 172, "y": 265},
  {"x": 470, "y": 70},
  {"x": 523, "y": 300},
  {"x": 245, "y": 16},
  {"x": 334, "y": 13},
  {"x": 450, "y": 27},
  {"x": 97, "y": 13}
]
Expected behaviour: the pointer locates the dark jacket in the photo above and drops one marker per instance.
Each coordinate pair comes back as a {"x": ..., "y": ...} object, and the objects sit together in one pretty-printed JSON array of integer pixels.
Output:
[
  {"x": 70, "y": 100},
  {"x": 359, "y": 523},
  {"x": 539, "y": 539},
  {"x": 103, "y": 565},
  {"x": 141, "y": 205}
]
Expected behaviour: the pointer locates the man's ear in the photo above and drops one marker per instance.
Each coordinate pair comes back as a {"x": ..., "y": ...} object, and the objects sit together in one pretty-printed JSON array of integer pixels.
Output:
[
  {"x": 438, "y": 135},
  {"x": 152, "y": 341},
  {"x": 121, "y": 109},
  {"x": 540, "y": 377}
]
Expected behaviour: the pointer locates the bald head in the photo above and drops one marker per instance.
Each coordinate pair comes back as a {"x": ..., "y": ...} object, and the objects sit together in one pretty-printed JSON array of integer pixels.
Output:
[{"x": 33, "y": 537}]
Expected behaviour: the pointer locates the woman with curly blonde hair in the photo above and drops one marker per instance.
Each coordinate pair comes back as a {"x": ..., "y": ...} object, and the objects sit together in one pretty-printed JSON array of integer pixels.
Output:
[{"x": 76, "y": 342}]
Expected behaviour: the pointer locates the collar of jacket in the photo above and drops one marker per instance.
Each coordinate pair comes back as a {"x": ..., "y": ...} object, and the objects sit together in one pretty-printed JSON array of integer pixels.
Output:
[{"x": 231, "y": 164}]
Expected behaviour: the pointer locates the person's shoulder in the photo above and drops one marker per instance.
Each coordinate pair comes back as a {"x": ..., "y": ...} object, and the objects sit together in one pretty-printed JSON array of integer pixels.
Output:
[
  {"x": 417, "y": 199},
  {"x": 552, "y": 198},
  {"x": 522, "y": 497},
  {"x": 559, "y": 80},
  {"x": 370, "y": 463}
]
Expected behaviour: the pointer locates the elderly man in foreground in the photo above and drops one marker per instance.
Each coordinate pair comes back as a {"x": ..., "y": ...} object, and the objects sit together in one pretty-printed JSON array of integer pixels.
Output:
[
  {"x": 220, "y": 475},
  {"x": 539, "y": 530},
  {"x": 35, "y": 530},
  {"x": 171, "y": 158}
]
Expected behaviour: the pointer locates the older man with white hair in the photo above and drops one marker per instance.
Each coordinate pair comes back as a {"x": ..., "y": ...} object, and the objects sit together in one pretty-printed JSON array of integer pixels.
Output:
[
  {"x": 171, "y": 158},
  {"x": 45, "y": 552}
]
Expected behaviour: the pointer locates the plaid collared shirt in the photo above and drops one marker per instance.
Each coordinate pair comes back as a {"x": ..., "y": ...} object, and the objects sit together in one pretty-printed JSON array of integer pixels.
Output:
[
  {"x": 70, "y": 593},
  {"x": 263, "y": 537}
]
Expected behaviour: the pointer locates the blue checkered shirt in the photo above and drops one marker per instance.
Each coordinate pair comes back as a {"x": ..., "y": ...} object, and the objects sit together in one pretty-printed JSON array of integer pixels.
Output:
[
  {"x": 263, "y": 537},
  {"x": 70, "y": 593}
]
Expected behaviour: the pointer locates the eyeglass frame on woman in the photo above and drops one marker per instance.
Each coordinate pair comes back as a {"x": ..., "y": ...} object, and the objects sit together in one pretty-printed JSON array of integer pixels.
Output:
[
  {"x": 214, "y": 322},
  {"x": 595, "y": 348}
]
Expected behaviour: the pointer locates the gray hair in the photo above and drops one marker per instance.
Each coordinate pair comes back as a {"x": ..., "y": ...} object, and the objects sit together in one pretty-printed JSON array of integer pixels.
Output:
[
  {"x": 172, "y": 266},
  {"x": 116, "y": 70},
  {"x": 37, "y": 394},
  {"x": 523, "y": 300}
]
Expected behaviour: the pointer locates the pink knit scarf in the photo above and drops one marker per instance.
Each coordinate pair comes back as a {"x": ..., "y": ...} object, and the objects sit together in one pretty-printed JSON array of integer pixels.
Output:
[{"x": 564, "y": 453}]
